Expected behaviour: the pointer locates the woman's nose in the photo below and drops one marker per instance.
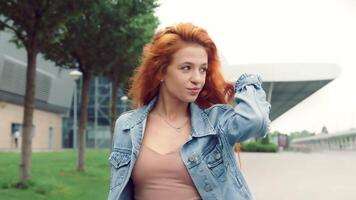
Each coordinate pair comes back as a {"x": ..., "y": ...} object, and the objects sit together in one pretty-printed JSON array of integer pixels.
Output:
[{"x": 197, "y": 77}]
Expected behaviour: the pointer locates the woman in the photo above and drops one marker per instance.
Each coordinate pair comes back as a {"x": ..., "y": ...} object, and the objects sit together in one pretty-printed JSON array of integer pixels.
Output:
[{"x": 178, "y": 143}]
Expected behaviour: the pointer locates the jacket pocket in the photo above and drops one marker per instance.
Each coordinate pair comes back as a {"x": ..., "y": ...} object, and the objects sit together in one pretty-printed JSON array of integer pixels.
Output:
[
  {"x": 215, "y": 162},
  {"x": 119, "y": 167}
]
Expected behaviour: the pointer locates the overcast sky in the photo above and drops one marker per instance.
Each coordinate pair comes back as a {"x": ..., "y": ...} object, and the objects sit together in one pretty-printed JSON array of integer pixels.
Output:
[{"x": 260, "y": 31}]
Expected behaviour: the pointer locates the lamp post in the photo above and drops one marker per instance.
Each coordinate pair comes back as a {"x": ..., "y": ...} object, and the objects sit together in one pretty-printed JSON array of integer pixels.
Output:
[
  {"x": 75, "y": 75},
  {"x": 124, "y": 100}
]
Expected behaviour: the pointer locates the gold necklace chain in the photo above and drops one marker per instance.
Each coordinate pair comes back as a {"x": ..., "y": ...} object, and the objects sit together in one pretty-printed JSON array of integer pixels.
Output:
[{"x": 177, "y": 129}]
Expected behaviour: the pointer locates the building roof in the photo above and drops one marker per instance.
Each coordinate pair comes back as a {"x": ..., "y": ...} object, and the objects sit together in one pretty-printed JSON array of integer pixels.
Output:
[
  {"x": 351, "y": 132},
  {"x": 287, "y": 84}
]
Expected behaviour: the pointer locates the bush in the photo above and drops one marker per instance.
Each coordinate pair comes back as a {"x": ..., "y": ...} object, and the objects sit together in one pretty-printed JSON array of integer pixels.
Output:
[
  {"x": 258, "y": 147},
  {"x": 265, "y": 140}
]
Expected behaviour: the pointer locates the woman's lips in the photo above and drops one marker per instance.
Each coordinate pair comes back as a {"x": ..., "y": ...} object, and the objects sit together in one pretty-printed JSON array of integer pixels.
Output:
[{"x": 194, "y": 91}]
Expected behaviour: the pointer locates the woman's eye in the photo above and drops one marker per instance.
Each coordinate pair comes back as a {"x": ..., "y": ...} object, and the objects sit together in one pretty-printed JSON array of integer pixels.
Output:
[
  {"x": 203, "y": 69},
  {"x": 187, "y": 67}
]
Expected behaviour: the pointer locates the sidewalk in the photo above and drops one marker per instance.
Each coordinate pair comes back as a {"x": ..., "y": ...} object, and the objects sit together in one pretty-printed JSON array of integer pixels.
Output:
[{"x": 301, "y": 176}]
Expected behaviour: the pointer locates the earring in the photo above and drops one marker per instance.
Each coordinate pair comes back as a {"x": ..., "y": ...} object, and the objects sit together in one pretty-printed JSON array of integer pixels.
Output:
[{"x": 161, "y": 80}]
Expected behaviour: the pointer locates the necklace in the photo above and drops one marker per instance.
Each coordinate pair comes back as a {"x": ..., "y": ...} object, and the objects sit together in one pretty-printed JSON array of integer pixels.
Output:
[{"x": 177, "y": 129}]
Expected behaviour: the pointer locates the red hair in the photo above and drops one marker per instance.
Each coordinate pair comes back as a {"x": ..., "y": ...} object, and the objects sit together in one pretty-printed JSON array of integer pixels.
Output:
[{"x": 157, "y": 55}]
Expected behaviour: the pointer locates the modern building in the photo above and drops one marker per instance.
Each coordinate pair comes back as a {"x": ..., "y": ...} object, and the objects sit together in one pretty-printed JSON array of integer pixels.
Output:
[
  {"x": 53, "y": 97},
  {"x": 341, "y": 141},
  {"x": 98, "y": 131},
  {"x": 287, "y": 84}
]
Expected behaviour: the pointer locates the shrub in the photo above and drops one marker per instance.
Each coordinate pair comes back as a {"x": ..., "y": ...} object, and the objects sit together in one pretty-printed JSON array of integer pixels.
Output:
[{"x": 258, "y": 147}]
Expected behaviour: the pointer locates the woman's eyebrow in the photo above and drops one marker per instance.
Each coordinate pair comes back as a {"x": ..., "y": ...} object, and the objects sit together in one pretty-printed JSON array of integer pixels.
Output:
[
  {"x": 190, "y": 63},
  {"x": 187, "y": 62}
]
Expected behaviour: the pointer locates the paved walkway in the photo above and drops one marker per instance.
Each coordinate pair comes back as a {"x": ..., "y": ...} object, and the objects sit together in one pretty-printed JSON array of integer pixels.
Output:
[{"x": 301, "y": 176}]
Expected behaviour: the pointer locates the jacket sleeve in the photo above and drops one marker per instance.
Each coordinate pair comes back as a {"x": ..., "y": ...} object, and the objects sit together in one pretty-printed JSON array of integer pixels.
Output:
[{"x": 250, "y": 117}]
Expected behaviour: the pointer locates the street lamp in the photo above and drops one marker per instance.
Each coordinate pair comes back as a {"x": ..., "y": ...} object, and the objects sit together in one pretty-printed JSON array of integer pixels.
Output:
[
  {"x": 75, "y": 75},
  {"x": 124, "y": 100}
]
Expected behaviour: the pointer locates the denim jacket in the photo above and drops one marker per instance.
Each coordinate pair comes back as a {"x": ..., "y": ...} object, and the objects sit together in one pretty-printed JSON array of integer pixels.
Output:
[{"x": 208, "y": 154}]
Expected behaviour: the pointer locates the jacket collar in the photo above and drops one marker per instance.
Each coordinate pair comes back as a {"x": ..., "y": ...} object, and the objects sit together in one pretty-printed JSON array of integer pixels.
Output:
[
  {"x": 200, "y": 122},
  {"x": 139, "y": 115}
]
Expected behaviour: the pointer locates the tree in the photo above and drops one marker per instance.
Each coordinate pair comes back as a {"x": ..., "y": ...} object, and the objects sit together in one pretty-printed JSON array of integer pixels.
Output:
[
  {"x": 324, "y": 130},
  {"x": 265, "y": 140},
  {"x": 89, "y": 39},
  {"x": 126, "y": 51},
  {"x": 33, "y": 24},
  {"x": 304, "y": 133},
  {"x": 275, "y": 133},
  {"x": 79, "y": 46}
]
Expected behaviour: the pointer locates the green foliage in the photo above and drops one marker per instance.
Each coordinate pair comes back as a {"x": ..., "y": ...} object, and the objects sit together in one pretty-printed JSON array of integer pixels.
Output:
[
  {"x": 274, "y": 134},
  {"x": 265, "y": 140},
  {"x": 258, "y": 147},
  {"x": 80, "y": 41},
  {"x": 102, "y": 34},
  {"x": 123, "y": 55},
  {"x": 304, "y": 133},
  {"x": 54, "y": 177},
  {"x": 33, "y": 23}
]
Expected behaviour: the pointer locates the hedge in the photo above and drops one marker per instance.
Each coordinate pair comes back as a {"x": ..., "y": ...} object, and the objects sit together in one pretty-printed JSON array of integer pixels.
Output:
[{"x": 258, "y": 147}]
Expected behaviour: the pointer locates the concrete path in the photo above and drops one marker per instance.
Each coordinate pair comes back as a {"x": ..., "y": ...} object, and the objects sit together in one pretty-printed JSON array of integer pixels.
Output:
[{"x": 301, "y": 176}]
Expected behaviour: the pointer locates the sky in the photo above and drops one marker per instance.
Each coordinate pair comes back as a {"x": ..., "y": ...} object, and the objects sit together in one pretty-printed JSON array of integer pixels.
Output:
[{"x": 284, "y": 31}]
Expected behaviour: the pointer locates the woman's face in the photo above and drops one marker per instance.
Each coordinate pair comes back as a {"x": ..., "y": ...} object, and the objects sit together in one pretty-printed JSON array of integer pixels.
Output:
[{"x": 185, "y": 77}]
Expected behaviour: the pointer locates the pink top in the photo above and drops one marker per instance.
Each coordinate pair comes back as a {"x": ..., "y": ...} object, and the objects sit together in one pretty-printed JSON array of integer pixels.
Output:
[{"x": 156, "y": 176}]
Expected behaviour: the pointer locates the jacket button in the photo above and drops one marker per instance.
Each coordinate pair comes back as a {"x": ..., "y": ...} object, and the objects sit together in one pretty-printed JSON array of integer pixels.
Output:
[
  {"x": 208, "y": 188},
  {"x": 217, "y": 156},
  {"x": 191, "y": 158}
]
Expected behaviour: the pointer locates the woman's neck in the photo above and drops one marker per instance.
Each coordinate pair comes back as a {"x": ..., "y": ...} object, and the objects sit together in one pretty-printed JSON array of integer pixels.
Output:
[{"x": 171, "y": 108}]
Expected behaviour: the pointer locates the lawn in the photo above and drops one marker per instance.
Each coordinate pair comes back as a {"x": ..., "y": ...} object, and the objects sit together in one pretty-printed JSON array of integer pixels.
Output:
[{"x": 54, "y": 176}]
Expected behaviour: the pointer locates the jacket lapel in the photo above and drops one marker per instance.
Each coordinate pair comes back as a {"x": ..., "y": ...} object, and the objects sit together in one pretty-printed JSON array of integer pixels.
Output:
[{"x": 201, "y": 125}]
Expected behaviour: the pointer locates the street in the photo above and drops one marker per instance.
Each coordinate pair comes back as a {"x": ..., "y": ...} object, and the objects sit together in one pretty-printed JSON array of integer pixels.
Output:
[{"x": 296, "y": 176}]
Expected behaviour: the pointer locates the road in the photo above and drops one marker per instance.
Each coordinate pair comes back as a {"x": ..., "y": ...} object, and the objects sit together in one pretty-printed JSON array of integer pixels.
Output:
[{"x": 301, "y": 176}]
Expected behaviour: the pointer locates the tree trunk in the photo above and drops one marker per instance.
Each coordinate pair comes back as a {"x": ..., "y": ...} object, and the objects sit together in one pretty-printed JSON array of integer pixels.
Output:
[
  {"x": 83, "y": 120},
  {"x": 113, "y": 106},
  {"x": 27, "y": 124}
]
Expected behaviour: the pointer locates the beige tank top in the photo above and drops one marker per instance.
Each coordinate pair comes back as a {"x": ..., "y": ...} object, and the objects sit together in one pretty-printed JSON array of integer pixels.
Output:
[{"x": 156, "y": 176}]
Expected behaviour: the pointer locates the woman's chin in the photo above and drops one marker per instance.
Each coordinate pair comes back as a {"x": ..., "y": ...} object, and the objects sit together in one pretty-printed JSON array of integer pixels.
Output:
[{"x": 191, "y": 99}]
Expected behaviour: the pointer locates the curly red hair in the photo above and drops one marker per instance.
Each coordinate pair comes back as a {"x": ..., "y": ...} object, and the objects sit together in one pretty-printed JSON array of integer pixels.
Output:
[{"x": 157, "y": 55}]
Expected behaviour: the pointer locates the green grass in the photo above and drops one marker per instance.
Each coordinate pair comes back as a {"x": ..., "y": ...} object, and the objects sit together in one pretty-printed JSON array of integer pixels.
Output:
[{"x": 53, "y": 176}]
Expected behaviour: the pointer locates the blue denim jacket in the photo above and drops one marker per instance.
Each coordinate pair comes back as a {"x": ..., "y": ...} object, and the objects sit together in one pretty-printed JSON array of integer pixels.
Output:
[{"x": 208, "y": 153}]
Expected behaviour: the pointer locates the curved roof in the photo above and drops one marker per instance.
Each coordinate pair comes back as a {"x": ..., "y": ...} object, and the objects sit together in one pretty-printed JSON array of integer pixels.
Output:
[
  {"x": 286, "y": 72},
  {"x": 287, "y": 84}
]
